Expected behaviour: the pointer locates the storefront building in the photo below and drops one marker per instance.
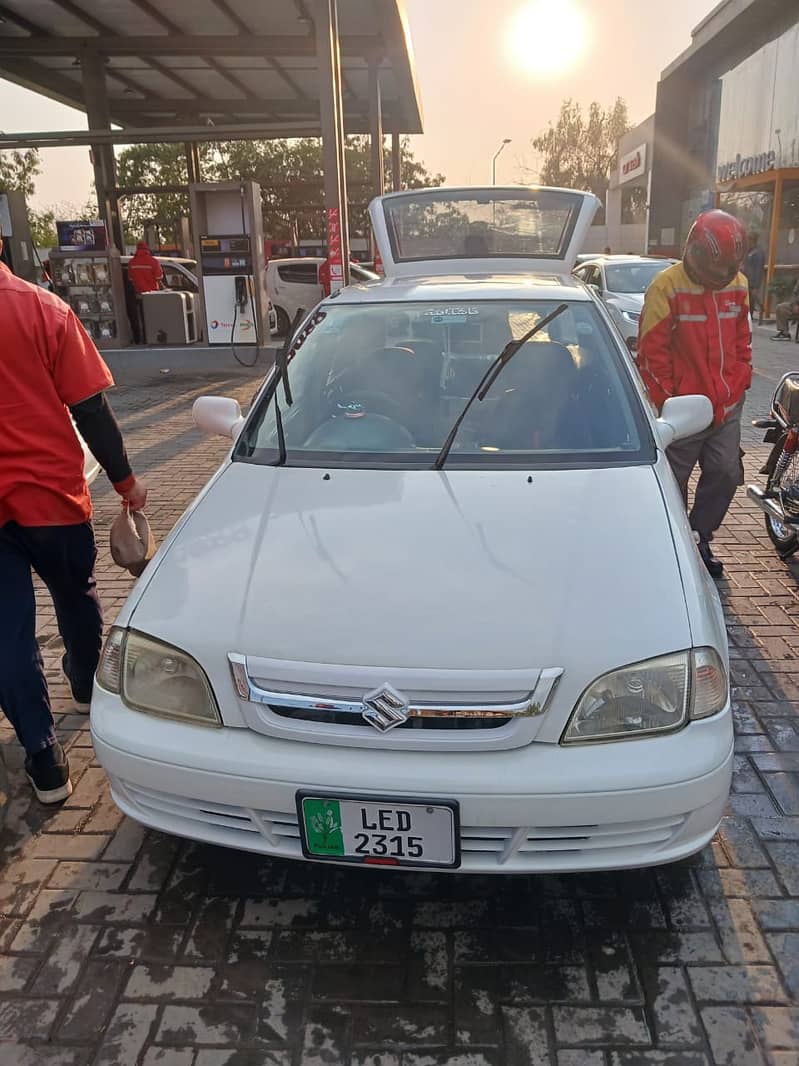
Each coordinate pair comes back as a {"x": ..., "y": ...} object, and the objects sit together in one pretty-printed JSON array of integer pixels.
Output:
[
  {"x": 726, "y": 131},
  {"x": 757, "y": 161},
  {"x": 627, "y": 206}
]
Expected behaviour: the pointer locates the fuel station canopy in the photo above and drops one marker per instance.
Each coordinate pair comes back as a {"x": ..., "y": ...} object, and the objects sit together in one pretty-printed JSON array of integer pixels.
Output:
[{"x": 170, "y": 65}]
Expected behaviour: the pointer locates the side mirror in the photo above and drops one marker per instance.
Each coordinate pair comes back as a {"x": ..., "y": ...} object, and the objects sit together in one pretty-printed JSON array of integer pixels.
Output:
[
  {"x": 683, "y": 416},
  {"x": 218, "y": 414}
]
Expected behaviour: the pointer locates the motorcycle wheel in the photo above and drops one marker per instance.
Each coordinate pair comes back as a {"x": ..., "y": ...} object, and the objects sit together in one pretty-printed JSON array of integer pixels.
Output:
[{"x": 782, "y": 536}]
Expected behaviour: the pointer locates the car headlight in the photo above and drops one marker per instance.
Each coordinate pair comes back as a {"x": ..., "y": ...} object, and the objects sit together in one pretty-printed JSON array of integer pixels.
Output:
[
  {"x": 656, "y": 696},
  {"x": 156, "y": 678},
  {"x": 630, "y": 316}
]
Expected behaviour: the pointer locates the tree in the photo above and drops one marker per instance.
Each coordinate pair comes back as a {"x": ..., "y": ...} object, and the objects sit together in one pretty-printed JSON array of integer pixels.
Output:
[
  {"x": 18, "y": 169},
  {"x": 43, "y": 220},
  {"x": 579, "y": 150},
  {"x": 290, "y": 173},
  {"x": 43, "y": 231}
]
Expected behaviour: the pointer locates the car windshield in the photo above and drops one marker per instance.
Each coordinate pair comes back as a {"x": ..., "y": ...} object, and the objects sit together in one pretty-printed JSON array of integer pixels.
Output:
[
  {"x": 453, "y": 224},
  {"x": 633, "y": 277},
  {"x": 380, "y": 384}
]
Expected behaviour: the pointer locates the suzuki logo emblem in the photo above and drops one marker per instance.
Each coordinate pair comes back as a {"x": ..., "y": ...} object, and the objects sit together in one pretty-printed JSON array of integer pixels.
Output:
[{"x": 385, "y": 708}]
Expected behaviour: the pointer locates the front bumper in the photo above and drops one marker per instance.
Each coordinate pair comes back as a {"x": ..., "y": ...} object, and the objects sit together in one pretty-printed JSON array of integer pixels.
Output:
[{"x": 542, "y": 808}]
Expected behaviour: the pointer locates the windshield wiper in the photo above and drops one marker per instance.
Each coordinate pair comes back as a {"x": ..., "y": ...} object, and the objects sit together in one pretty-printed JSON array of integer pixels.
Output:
[
  {"x": 488, "y": 379},
  {"x": 284, "y": 356},
  {"x": 281, "y": 371}
]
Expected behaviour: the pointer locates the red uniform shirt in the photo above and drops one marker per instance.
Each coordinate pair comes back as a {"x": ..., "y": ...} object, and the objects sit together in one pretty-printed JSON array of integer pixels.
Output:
[
  {"x": 695, "y": 340},
  {"x": 47, "y": 363},
  {"x": 144, "y": 271}
]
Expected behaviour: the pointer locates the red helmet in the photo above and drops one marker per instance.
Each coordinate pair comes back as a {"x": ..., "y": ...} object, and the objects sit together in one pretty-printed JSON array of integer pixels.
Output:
[{"x": 715, "y": 249}]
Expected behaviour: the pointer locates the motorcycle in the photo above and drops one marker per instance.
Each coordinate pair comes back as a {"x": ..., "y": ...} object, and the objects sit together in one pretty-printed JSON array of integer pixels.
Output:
[{"x": 779, "y": 502}]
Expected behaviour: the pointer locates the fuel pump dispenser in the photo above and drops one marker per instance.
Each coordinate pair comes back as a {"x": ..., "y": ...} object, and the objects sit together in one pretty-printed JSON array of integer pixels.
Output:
[
  {"x": 18, "y": 251},
  {"x": 231, "y": 265},
  {"x": 228, "y": 289}
]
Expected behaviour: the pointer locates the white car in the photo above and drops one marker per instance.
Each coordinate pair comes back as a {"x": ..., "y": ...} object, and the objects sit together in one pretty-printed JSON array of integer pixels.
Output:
[
  {"x": 401, "y": 628},
  {"x": 293, "y": 285},
  {"x": 621, "y": 282}
]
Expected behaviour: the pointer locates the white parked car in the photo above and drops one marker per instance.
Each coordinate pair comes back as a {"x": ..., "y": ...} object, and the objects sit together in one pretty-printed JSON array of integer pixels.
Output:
[
  {"x": 621, "y": 282},
  {"x": 293, "y": 285},
  {"x": 402, "y": 628}
]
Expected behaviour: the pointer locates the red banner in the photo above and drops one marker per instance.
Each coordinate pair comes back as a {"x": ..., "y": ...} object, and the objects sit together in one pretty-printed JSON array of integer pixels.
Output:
[{"x": 335, "y": 257}]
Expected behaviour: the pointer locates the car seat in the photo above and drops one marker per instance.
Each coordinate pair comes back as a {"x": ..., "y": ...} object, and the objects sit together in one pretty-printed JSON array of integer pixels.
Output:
[{"x": 534, "y": 410}]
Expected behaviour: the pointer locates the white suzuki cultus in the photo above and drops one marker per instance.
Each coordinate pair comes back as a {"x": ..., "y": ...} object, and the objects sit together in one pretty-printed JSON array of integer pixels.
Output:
[{"x": 440, "y": 607}]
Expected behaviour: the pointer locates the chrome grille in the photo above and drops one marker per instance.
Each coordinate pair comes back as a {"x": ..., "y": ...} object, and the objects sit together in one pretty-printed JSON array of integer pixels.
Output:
[
  {"x": 347, "y": 718},
  {"x": 345, "y": 705}
]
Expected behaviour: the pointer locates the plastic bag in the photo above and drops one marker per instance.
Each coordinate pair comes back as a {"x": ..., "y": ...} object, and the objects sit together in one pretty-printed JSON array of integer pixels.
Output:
[{"x": 132, "y": 541}]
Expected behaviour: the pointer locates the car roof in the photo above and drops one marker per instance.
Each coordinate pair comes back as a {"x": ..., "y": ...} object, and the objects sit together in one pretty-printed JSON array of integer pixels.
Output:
[
  {"x": 280, "y": 261},
  {"x": 177, "y": 260},
  {"x": 463, "y": 287},
  {"x": 614, "y": 259}
]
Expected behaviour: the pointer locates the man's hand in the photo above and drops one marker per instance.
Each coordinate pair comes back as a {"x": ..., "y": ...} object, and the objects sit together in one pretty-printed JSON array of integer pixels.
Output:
[{"x": 136, "y": 496}]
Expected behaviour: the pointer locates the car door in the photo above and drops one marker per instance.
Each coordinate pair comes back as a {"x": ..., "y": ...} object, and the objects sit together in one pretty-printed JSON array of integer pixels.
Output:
[{"x": 297, "y": 287}]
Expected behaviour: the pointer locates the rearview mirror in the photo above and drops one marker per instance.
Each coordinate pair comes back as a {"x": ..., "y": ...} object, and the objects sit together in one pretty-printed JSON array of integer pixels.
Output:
[
  {"x": 683, "y": 416},
  {"x": 218, "y": 414}
]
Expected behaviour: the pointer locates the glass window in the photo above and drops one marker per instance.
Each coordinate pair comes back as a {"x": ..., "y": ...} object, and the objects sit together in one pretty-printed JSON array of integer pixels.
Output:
[
  {"x": 633, "y": 206},
  {"x": 753, "y": 207},
  {"x": 382, "y": 384},
  {"x": 457, "y": 225},
  {"x": 299, "y": 273},
  {"x": 176, "y": 279},
  {"x": 633, "y": 277},
  {"x": 788, "y": 232}
]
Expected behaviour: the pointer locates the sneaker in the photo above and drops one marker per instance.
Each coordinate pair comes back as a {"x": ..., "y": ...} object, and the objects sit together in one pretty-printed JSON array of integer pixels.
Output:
[
  {"x": 715, "y": 567},
  {"x": 781, "y": 335},
  {"x": 48, "y": 773},
  {"x": 81, "y": 706}
]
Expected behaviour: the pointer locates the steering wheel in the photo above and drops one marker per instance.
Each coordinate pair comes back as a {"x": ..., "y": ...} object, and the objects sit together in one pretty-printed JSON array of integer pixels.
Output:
[{"x": 375, "y": 403}]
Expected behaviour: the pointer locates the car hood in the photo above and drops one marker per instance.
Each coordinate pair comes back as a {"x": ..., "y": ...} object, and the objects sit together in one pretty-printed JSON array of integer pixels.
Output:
[{"x": 452, "y": 570}]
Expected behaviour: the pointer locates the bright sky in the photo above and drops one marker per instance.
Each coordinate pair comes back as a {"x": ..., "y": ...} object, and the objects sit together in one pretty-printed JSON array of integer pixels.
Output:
[{"x": 488, "y": 69}]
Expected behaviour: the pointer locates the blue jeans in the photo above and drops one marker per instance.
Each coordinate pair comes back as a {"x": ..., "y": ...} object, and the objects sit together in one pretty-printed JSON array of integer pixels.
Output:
[{"x": 63, "y": 557}]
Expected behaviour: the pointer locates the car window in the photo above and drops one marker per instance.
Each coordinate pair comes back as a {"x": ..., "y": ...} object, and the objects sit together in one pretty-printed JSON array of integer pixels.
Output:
[
  {"x": 377, "y": 383},
  {"x": 633, "y": 277},
  {"x": 299, "y": 273},
  {"x": 176, "y": 279},
  {"x": 458, "y": 224}
]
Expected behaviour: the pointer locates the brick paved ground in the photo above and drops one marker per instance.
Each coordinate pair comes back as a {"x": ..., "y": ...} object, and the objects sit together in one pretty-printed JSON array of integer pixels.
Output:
[{"x": 119, "y": 946}]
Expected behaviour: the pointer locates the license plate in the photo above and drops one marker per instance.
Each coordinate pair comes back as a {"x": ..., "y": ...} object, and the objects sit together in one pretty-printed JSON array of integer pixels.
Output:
[{"x": 379, "y": 831}]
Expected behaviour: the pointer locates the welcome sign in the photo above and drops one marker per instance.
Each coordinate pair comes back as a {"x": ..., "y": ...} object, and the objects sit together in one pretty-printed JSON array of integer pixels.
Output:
[{"x": 743, "y": 166}]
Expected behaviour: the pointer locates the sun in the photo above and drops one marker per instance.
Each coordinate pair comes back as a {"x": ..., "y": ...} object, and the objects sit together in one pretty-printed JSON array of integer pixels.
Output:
[{"x": 548, "y": 37}]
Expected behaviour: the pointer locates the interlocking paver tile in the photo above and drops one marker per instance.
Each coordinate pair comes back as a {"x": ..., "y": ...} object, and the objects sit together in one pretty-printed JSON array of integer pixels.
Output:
[{"x": 119, "y": 945}]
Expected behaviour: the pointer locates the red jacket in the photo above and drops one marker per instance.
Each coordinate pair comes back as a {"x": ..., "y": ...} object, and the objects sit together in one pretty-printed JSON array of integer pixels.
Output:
[
  {"x": 145, "y": 271},
  {"x": 696, "y": 340}
]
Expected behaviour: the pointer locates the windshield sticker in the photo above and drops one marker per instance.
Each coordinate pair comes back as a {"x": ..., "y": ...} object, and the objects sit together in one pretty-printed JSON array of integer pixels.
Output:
[{"x": 451, "y": 316}]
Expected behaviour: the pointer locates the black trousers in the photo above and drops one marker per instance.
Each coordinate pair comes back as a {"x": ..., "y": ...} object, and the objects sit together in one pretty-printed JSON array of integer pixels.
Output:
[
  {"x": 718, "y": 452},
  {"x": 63, "y": 557}
]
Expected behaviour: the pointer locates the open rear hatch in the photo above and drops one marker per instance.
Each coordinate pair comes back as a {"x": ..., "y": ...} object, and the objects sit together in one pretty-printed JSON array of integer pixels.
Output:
[{"x": 481, "y": 230}]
